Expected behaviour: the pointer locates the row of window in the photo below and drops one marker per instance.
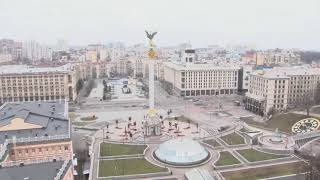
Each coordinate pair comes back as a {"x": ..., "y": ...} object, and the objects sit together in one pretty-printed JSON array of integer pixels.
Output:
[
  {"x": 34, "y": 98},
  {"x": 40, "y": 150}
]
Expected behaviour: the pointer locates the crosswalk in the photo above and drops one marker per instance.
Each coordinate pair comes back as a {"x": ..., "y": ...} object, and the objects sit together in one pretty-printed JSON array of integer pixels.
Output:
[{"x": 210, "y": 131}]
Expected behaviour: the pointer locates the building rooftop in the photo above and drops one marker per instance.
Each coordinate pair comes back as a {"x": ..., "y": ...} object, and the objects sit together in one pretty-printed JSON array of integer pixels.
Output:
[
  {"x": 286, "y": 72},
  {"x": 33, "y": 119},
  {"x": 201, "y": 66},
  {"x": 41, "y": 171},
  {"x": 25, "y": 69}
]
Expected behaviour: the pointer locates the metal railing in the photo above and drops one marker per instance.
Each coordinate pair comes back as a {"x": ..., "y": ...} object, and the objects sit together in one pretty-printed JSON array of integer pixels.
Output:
[
  {"x": 61, "y": 170},
  {"x": 36, "y": 139},
  {"x": 3, "y": 149},
  {"x": 32, "y": 161},
  {"x": 311, "y": 134}
]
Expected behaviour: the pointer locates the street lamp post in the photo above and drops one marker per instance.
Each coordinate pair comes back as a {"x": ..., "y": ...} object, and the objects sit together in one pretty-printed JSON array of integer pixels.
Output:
[{"x": 102, "y": 134}]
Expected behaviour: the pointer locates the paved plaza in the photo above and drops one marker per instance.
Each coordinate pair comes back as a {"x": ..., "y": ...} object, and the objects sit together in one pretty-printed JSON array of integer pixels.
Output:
[{"x": 112, "y": 124}]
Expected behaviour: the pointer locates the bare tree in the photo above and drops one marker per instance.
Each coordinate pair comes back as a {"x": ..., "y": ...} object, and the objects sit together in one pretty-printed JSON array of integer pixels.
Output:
[
  {"x": 89, "y": 86},
  {"x": 317, "y": 94},
  {"x": 307, "y": 101},
  {"x": 313, "y": 168}
]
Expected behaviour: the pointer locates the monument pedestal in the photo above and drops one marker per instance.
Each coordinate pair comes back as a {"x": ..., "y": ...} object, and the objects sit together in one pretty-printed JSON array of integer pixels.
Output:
[{"x": 152, "y": 125}]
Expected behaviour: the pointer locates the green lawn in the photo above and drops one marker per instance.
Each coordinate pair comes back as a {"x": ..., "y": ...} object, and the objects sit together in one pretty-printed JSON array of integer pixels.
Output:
[
  {"x": 233, "y": 139},
  {"x": 244, "y": 130},
  {"x": 212, "y": 142},
  {"x": 89, "y": 118},
  {"x": 226, "y": 159},
  {"x": 265, "y": 172},
  {"x": 77, "y": 123},
  {"x": 283, "y": 122},
  {"x": 253, "y": 155},
  {"x": 109, "y": 149},
  {"x": 127, "y": 167}
]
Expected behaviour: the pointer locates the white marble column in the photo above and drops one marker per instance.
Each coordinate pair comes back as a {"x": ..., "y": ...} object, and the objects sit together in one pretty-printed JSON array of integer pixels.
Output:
[{"x": 151, "y": 83}]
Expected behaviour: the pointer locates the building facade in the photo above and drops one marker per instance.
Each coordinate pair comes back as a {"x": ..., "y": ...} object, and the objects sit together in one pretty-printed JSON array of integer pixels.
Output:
[
  {"x": 24, "y": 83},
  {"x": 201, "y": 79},
  {"x": 277, "y": 57},
  {"x": 280, "y": 88},
  {"x": 36, "y": 132},
  {"x": 34, "y": 51},
  {"x": 8, "y": 46},
  {"x": 5, "y": 58},
  {"x": 244, "y": 74}
]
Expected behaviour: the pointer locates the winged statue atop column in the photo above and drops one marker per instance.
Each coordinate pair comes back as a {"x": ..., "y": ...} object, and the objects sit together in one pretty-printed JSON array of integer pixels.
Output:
[{"x": 150, "y": 36}]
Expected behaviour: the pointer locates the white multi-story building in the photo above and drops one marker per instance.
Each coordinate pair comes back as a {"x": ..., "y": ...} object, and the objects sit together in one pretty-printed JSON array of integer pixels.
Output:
[
  {"x": 35, "y": 51},
  {"x": 24, "y": 83},
  {"x": 62, "y": 45},
  {"x": 195, "y": 79},
  {"x": 244, "y": 74},
  {"x": 280, "y": 88},
  {"x": 8, "y": 46}
]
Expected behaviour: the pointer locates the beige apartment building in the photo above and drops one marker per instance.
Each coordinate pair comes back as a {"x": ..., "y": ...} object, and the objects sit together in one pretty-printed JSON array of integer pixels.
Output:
[
  {"x": 33, "y": 135},
  {"x": 20, "y": 83},
  {"x": 87, "y": 70},
  {"x": 277, "y": 57},
  {"x": 141, "y": 68},
  {"x": 121, "y": 66},
  {"x": 281, "y": 88}
]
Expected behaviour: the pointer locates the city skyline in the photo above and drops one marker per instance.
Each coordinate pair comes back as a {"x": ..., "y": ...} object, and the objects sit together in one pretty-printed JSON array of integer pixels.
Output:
[{"x": 285, "y": 24}]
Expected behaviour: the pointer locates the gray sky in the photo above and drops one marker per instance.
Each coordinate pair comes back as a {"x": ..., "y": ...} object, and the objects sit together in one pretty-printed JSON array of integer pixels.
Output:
[{"x": 262, "y": 23}]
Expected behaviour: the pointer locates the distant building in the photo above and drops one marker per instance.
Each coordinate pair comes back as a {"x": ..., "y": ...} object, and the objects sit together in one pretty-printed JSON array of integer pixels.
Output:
[
  {"x": 36, "y": 52},
  {"x": 277, "y": 57},
  {"x": 104, "y": 55},
  {"x": 250, "y": 58},
  {"x": 26, "y": 83},
  {"x": 121, "y": 67},
  {"x": 92, "y": 56},
  {"x": 8, "y": 46},
  {"x": 5, "y": 58},
  {"x": 280, "y": 88},
  {"x": 35, "y": 137},
  {"x": 62, "y": 45},
  {"x": 200, "y": 79}
]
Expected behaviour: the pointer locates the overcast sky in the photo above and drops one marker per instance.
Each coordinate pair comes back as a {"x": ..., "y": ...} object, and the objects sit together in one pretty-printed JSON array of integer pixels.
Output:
[{"x": 259, "y": 23}]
